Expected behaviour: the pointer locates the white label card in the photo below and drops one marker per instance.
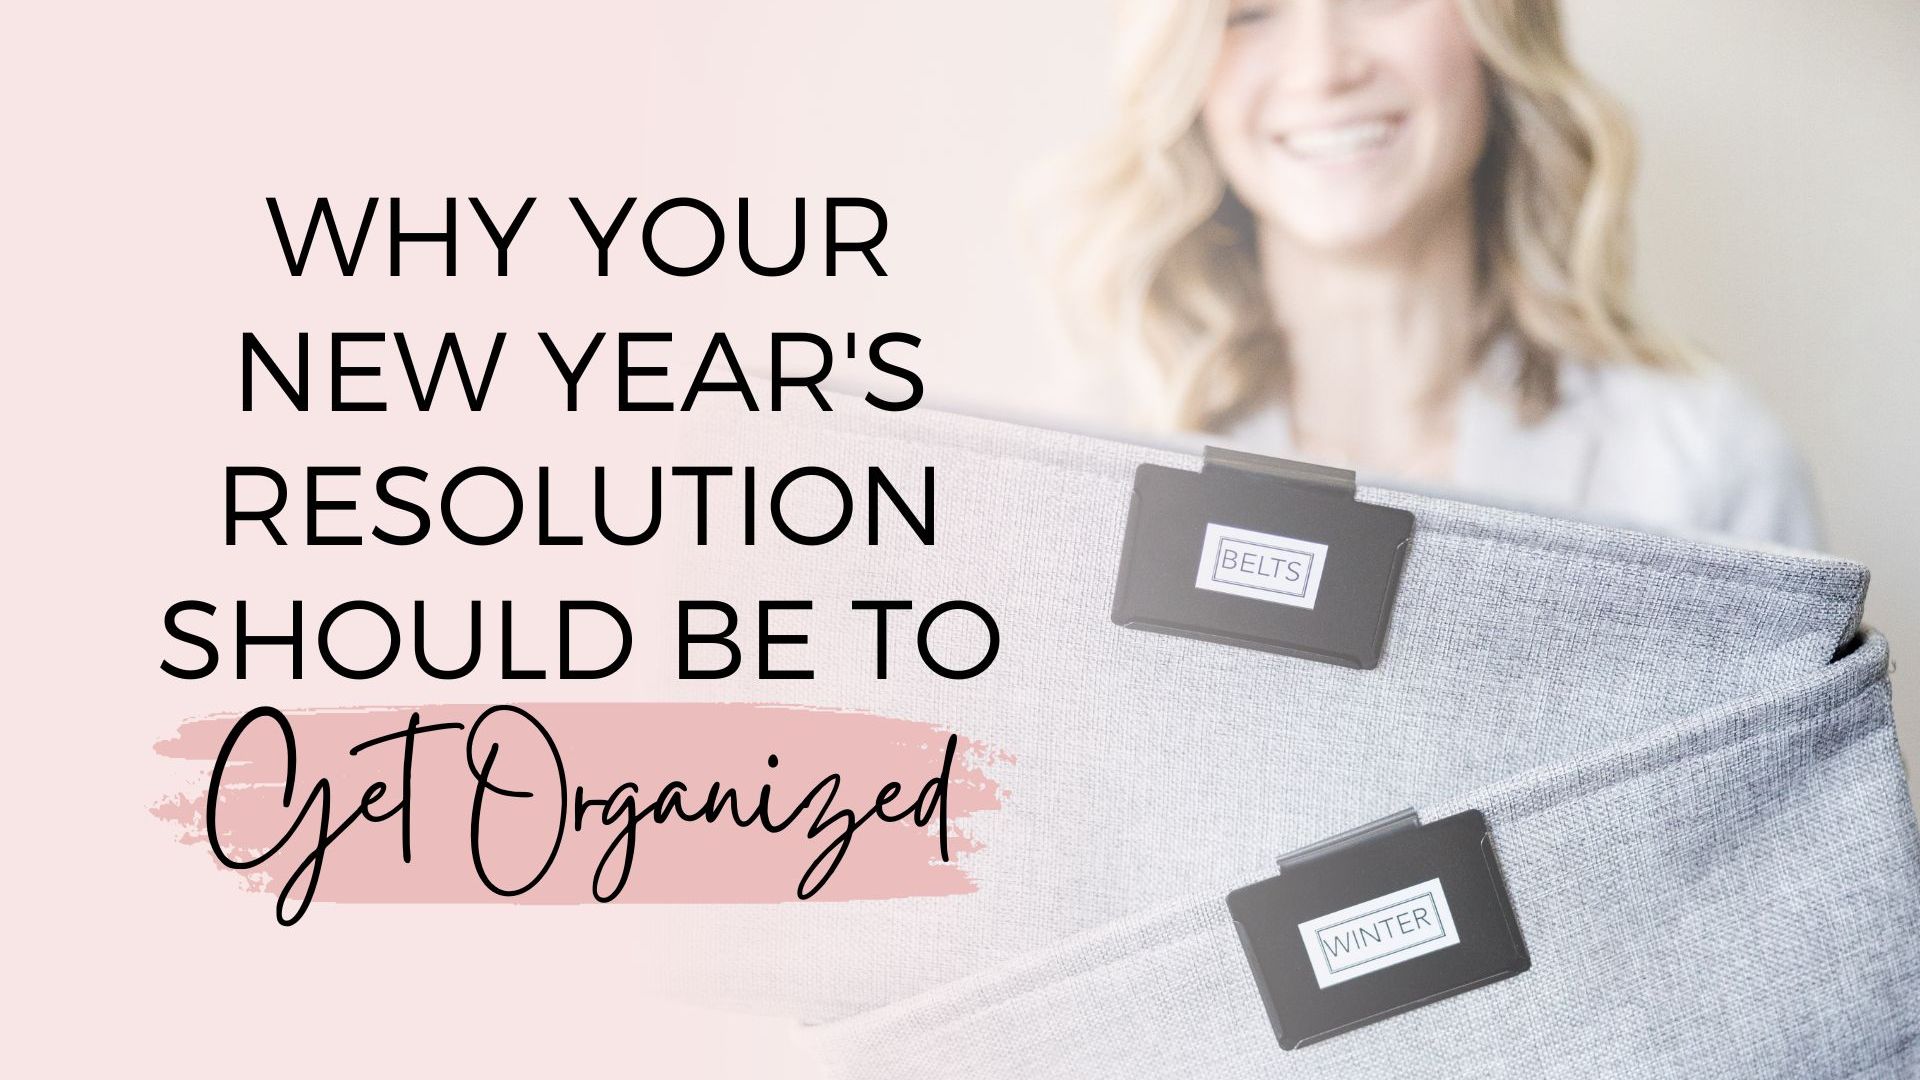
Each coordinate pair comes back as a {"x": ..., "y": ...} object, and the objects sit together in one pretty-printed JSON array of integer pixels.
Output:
[
  {"x": 1379, "y": 933},
  {"x": 1261, "y": 566}
]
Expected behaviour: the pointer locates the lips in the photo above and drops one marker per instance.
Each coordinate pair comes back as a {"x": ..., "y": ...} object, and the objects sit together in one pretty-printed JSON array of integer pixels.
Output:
[{"x": 1337, "y": 142}]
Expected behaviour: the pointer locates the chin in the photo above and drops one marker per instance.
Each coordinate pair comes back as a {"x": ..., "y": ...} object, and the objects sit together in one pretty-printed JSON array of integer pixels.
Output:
[
  {"x": 1344, "y": 231},
  {"x": 1356, "y": 215}
]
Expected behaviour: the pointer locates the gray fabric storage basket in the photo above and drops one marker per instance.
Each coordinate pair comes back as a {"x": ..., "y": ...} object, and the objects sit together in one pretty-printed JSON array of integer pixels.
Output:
[{"x": 1685, "y": 753}]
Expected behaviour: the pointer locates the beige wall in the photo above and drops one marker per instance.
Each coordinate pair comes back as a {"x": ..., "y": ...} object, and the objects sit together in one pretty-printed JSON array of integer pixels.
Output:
[{"x": 1780, "y": 227}]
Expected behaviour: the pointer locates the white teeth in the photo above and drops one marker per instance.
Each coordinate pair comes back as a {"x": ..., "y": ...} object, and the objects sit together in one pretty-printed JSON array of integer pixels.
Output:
[{"x": 1339, "y": 141}]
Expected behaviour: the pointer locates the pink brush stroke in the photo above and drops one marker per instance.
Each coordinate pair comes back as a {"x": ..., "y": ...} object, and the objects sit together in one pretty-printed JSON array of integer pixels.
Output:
[{"x": 602, "y": 745}]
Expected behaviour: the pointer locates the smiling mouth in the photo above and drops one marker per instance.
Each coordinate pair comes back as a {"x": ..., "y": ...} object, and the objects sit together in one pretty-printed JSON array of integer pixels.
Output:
[{"x": 1337, "y": 142}]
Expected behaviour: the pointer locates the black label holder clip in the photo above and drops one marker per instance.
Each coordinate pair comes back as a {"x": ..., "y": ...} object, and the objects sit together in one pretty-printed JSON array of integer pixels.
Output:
[
  {"x": 1262, "y": 553},
  {"x": 1384, "y": 918}
]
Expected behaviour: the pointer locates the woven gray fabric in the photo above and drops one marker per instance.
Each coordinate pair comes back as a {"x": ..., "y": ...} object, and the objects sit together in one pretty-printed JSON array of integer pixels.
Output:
[
  {"x": 1732, "y": 896},
  {"x": 1656, "y": 729}
]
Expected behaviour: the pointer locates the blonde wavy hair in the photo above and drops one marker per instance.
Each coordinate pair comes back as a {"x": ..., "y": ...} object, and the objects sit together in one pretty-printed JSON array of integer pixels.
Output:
[{"x": 1152, "y": 253}]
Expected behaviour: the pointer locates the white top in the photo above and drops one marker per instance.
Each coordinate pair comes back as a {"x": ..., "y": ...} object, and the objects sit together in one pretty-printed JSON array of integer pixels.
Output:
[{"x": 1626, "y": 445}]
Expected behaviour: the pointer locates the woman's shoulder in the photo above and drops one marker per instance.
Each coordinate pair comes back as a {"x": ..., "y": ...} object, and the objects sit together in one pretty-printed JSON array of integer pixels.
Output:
[
  {"x": 1703, "y": 411},
  {"x": 1703, "y": 432}
]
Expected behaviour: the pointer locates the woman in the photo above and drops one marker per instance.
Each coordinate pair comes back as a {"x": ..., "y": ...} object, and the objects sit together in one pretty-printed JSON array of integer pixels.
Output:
[{"x": 1391, "y": 235}]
